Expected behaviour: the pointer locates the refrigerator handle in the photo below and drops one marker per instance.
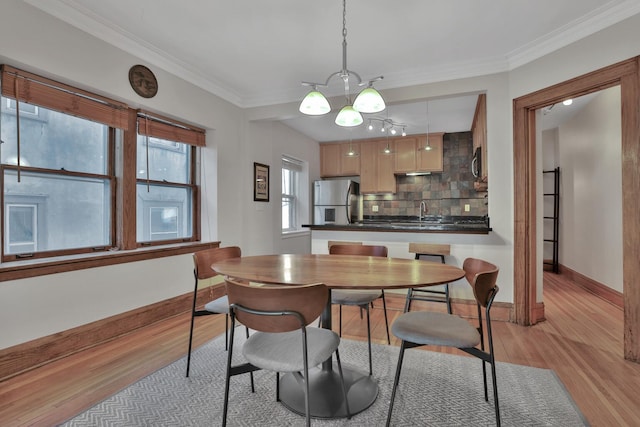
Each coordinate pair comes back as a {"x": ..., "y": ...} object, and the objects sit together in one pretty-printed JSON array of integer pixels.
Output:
[{"x": 348, "y": 205}]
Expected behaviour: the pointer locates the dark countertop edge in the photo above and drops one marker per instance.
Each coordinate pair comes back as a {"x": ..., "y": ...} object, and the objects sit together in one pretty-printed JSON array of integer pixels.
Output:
[{"x": 449, "y": 228}]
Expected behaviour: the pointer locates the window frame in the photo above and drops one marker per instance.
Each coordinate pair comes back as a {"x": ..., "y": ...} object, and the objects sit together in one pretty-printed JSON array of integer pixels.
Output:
[
  {"x": 108, "y": 176},
  {"x": 294, "y": 167}
]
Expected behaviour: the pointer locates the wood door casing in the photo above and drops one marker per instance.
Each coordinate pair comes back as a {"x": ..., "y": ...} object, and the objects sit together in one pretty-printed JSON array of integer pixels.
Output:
[{"x": 627, "y": 75}]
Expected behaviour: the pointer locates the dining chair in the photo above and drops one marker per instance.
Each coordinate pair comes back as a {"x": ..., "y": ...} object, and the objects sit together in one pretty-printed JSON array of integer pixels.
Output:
[
  {"x": 283, "y": 342},
  {"x": 421, "y": 328},
  {"x": 360, "y": 298},
  {"x": 202, "y": 270},
  {"x": 432, "y": 293}
]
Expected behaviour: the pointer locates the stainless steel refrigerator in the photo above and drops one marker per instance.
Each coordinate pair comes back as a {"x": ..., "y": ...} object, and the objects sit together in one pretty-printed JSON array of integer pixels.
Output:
[{"x": 336, "y": 201}]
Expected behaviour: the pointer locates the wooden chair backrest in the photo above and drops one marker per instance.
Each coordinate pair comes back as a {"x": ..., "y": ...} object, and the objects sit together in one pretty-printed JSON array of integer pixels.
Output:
[
  {"x": 307, "y": 300},
  {"x": 202, "y": 260},
  {"x": 340, "y": 242},
  {"x": 430, "y": 248},
  {"x": 366, "y": 250},
  {"x": 482, "y": 277}
]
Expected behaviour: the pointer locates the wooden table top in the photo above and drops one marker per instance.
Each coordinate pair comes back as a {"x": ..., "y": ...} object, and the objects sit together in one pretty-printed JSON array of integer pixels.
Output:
[{"x": 339, "y": 271}]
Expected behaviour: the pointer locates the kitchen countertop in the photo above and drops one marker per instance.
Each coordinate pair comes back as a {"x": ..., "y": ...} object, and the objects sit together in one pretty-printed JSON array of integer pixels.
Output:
[{"x": 412, "y": 224}]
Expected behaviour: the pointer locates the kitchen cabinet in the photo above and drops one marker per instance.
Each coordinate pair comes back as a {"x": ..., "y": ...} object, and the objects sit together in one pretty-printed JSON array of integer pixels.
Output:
[
  {"x": 430, "y": 160},
  {"x": 350, "y": 165},
  {"x": 405, "y": 154},
  {"x": 376, "y": 168},
  {"x": 334, "y": 160},
  {"x": 479, "y": 134},
  {"x": 329, "y": 160},
  {"x": 408, "y": 157}
]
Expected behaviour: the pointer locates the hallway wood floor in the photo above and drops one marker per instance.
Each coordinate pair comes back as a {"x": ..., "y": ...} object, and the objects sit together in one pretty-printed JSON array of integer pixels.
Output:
[{"x": 581, "y": 340}]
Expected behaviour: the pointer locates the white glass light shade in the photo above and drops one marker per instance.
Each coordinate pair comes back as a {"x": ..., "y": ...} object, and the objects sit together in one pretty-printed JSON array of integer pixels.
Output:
[
  {"x": 348, "y": 117},
  {"x": 369, "y": 101},
  {"x": 314, "y": 104}
]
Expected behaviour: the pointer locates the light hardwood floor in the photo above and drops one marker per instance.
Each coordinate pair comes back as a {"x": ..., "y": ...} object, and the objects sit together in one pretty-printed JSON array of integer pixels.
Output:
[{"x": 581, "y": 340}]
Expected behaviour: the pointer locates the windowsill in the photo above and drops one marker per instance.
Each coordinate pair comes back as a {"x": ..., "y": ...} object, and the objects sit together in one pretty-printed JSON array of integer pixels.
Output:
[
  {"x": 295, "y": 233},
  {"x": 39, "y": 267}
]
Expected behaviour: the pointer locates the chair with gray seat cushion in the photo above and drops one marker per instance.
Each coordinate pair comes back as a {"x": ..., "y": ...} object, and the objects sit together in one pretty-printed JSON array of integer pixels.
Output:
[
  {"x": 283, "y": 341},
  {"x": 202, "y": 270},
  {"x": 360, "y": 298},
  {"x": 421, "y": 328}
]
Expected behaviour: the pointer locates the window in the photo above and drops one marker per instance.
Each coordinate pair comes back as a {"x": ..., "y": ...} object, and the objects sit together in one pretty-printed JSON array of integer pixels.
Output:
[
  {"x": 63, "y": 160},
  {"x": 63, "y": 149},
  {"x": 291, "y": 177},
  {"x": 165, "y": 179}
]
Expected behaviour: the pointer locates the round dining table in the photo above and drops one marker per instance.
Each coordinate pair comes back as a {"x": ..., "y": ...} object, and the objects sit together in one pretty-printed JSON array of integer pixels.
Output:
[{"x": 336, "y": 272}]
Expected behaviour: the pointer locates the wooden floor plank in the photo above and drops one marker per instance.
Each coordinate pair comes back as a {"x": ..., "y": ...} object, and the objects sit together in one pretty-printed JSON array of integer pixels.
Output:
[{"x": 581, "y": 340}]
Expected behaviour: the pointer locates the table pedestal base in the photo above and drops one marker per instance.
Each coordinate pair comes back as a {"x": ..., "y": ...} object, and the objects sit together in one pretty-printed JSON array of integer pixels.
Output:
[{"x": 325, "y": 392}]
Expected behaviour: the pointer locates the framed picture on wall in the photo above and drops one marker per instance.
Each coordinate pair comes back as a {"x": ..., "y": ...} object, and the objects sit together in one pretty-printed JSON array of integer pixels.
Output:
[{"x": 260, "y": 182}]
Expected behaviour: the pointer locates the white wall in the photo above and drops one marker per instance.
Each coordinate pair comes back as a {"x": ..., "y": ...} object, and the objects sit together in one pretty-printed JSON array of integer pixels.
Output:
[
  {"x": 590, "y": 157},
  {"x": 34, "y": 41}
]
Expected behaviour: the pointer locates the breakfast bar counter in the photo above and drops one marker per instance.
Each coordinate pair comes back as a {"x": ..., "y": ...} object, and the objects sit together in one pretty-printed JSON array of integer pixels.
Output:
[{"x": 427, "y": 224}]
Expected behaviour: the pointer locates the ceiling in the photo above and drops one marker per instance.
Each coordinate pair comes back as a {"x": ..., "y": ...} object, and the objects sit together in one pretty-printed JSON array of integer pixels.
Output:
[{"x": 255, "y": 53}]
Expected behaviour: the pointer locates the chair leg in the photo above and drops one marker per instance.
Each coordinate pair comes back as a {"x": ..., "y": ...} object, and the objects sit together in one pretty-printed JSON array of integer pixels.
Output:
[
  {"x": 344, "y": 387},
  {"x": 386, "y": 320},
  {"x": 253, "y": 387},
  {"x": 369, "y": 340},
  {"x": 226, "y": 332},
  {"x": 340, "y": 321},
  {"x": 447, "y": 299},
  {"x": 407, "y": 304},
  {"x": 495, "y": 391},
  {"x": 395, "y": 383},
  {"x": 190, "y": 344},
  {"x": 227, "y": 379}
]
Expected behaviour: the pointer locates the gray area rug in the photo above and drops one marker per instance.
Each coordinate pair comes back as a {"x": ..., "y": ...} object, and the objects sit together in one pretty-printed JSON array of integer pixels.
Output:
[{"x": 435, "y": 390}]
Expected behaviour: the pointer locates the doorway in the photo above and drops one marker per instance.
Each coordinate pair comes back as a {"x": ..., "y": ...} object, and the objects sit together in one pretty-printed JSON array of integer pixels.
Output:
[{"x": 627, "y": 75}]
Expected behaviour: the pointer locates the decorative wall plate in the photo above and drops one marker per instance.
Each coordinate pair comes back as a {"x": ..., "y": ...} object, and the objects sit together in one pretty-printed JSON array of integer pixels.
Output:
[{"x": 143, "y": 82}]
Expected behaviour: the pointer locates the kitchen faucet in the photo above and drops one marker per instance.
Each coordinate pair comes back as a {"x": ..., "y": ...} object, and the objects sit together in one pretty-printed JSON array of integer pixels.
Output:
[{"x": 423, "y": 208}]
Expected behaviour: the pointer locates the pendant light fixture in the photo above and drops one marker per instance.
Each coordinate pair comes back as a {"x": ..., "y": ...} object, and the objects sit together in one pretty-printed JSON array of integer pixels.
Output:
[
  {"x": 351, "y": 152},
  {"x": 368, "y": 101}
]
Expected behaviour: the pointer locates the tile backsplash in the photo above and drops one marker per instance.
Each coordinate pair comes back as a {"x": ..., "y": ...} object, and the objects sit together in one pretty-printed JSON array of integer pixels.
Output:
[{"x": 445, "y": 193}]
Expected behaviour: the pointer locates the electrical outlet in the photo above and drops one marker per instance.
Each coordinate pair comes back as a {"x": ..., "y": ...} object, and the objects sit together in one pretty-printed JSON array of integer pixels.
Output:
[
  {"x": 467, "y": 208},
  {"x": 374, "y": 208}
]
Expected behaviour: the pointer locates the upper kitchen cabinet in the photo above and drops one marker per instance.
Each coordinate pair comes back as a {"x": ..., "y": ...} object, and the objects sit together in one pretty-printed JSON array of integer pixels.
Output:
[
  {"x": 350, "y": 159},
  {"x": 335, "y": 159},
  {"x": 405, "y": 154},
  {"x": 376, "y": 168},
  {"x": 430, "y": 160},
  {"x": 479, "y": 134},
  {"x": 410, "y": 155},
  {"x": 329, "y": 160}
]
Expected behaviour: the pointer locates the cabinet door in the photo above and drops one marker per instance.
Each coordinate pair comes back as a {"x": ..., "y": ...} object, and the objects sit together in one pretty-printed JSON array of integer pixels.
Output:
[
  {"x": 386, "y": 180},
  {"x": 349, "y": 165},
  {"x": 430, "y": 160},
  {"x": 405, "y": 154},
  {"x": 368, "y": 167},
  {"x": 329, "y": 160},
  {"x": 479, "y": 132}
]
